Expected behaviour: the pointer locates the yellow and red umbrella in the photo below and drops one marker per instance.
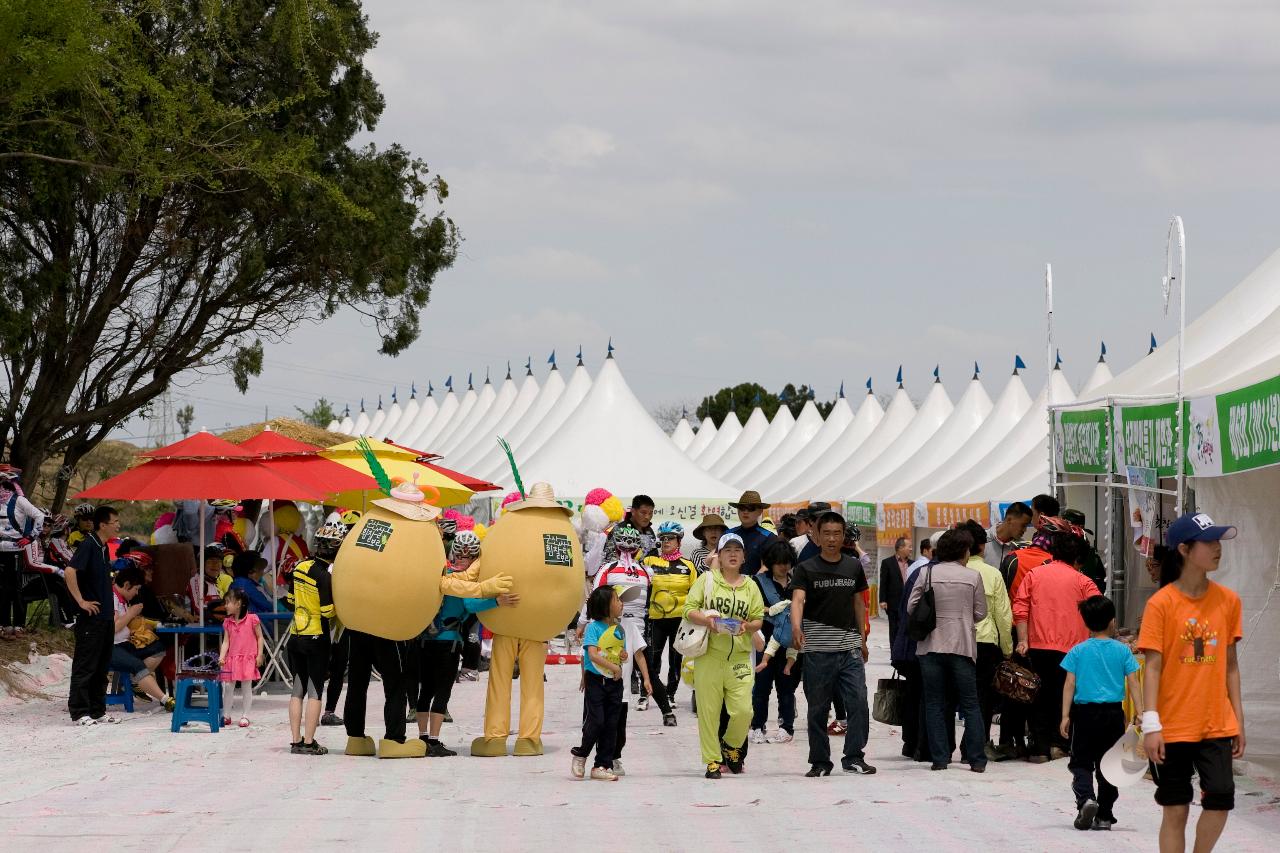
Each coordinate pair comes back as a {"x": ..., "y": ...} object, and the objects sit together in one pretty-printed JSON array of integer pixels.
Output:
[{"x": 401, "y": 464}]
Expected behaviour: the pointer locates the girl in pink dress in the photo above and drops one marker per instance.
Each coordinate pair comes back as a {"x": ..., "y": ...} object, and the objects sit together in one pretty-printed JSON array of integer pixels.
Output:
[{"x": 242, "y": 653}]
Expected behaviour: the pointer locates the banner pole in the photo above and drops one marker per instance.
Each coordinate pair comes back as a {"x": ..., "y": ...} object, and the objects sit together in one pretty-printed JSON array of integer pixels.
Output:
[
  {"x": 1050, "y": 363},
  {"x": 1175, "y": 228}
]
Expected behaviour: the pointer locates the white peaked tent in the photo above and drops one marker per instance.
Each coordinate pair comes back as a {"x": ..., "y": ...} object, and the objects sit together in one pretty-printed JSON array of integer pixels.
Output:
[
  {"x": 802, "y": 436},
  {"x": 361, "y": 425},
  {"x": 486, "y": 435},
  {"x": 468, "y": 402},
  {"x": 483, "y": 416},
  {"x": 407, "y": 417},
  {"x": 347, "y": 425},
  {"x": 932, "y": 414},
  {"x": 427, "y": 412},
  {"x": 1018, "y": 468},
  {"x": 430, "y": 429},
  {"x": 682, "y": 435},
  {"x": 782, "y": 425},
  {"x": 706, "y": 433},
  {"x": 491, "y": 456},
  {"x": 752, "y": 431},
  {"x": 575, "y": 390},
  {"x": 1100, "y": 376},
  {"x": 726, "y": 435},
  {"x": 394, "y": 414},
  {"x": 765, "y": 461},
  {"x": 971, "y": 411},
  {"x": 1009, "y": 408},
  {"x": 816, "y": 464},
  {"x": 333, "y": 426},
  {"x": 611, "y": 441},
  {"x": 833, "y": 472},
  {"x": 376, "y": 422},
  {"x": 463, "y": 424}
]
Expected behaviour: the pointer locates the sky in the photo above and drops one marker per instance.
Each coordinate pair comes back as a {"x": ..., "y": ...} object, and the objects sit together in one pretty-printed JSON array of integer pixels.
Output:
[{"x": 808, "y": 192}]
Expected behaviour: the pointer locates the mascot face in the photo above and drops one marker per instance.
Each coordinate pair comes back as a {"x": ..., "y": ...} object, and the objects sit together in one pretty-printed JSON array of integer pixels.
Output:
[
  {"x": 537, "y": 547},
  {"x": 386, "y": 578}
]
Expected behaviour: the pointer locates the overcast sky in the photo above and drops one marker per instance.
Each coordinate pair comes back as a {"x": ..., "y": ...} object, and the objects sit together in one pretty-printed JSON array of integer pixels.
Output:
[{"x": 808, "y": 192}]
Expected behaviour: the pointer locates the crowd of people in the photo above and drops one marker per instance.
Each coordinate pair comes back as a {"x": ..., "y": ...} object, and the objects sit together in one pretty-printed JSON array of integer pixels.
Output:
[{"x": 760, "y": 610}]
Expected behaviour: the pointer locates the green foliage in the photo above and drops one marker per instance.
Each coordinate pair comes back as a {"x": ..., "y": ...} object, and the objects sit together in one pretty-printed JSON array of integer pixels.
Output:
[
  {"x": 743, "y": 398},
  {"x": 185, "y": 417},
  {"x": 178, "y": 185},
  {"x": 319, "y": 415}
]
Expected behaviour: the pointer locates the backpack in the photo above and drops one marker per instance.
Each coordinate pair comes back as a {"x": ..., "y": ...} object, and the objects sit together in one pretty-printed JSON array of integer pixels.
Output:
[{"x": 781, "y": 622}]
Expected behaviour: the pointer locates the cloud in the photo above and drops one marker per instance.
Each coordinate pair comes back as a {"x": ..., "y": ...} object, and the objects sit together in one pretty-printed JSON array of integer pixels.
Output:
[
  {"x": 575, "y": 145},
  {"x": 545, "y": 263}
]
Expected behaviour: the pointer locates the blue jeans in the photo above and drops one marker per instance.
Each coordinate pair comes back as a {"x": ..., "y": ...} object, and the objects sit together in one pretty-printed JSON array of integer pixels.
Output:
[
  {"x": 956, "y": 675},
  {"x": 828, "y": 674},
  {"x": 767, "y": 680}
]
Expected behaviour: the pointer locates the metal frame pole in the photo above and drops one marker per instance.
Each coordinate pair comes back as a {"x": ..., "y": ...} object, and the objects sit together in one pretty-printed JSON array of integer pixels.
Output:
[
  {"x": 1175, "y": 228},
  {"x": 1049, "y": 363}
]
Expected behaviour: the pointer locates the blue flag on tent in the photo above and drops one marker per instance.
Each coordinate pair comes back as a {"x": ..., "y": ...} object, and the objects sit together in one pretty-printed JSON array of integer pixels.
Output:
[
  {"x": 1058, "y": 363},
  {"x": 976, "y": 370},
  {"x": 393, "y": 394},
  {"x": 379, "y": 402},
  {"x": 579, "y": 355},
  {"x": 1153, "y": 344},
  {"x": 937, "y": 375},
  {"x": 430, "y": 387},
  {"x": 899, "y": 375},
  {"x": 528, "y": 365},
  {"x": 470, "y": 386},
  {"x": 551, "y": 360},
  {"x": 362, "y": 404},
  {"x": 413, "y": 391},
  {"x": 448, "y": 383},
  {"x": 868, "y": 384},
  {"x": 842, "y": 389},
  {"x": 1018, "y": 364},
  {"x": 1104, "y": 350},
  {"x": 610, "y": 347}
]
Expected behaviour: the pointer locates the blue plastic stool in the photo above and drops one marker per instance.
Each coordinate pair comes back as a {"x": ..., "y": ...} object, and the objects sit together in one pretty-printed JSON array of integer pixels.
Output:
[
  {"x": 185, "y": 712},
  {"x": 121, "y": 692}
]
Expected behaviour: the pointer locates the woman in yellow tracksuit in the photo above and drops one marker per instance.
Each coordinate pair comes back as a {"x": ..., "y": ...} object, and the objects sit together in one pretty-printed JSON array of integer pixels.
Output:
[{"x": 723, "y": 676}]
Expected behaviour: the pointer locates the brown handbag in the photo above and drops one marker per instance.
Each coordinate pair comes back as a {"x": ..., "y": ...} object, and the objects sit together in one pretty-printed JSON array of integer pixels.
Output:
[{"x": 1016, "y": 682}]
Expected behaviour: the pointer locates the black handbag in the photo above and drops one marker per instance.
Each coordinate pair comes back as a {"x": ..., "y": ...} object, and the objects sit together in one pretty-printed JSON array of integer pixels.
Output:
[
  {"x": 890, "y": 704},
  {"x": 922, "y": 620}
]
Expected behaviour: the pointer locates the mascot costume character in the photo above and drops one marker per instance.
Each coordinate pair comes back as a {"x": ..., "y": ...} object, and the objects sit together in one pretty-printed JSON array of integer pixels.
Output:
[
  {"x": 388, "y": 581},
  {"x": 534, "y": 542}
]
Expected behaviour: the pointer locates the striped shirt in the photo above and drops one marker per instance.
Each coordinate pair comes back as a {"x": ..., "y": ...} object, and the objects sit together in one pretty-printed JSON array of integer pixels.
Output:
[{"x": 830, "y": 591}]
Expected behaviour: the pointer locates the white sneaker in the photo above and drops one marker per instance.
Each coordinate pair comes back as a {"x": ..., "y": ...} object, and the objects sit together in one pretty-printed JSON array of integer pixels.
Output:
[
  {"x": 617, "y": 769},
  {"x": 578, "y": 768},
  {"x": 105, "y": 718},
  {"x": 642, "y": 704},
  {"x": 757, "y": 736},
  {"x": 86, "y": 720},
  {"x": 781, "y": 736},
  {"x": 603, "y": 774}
]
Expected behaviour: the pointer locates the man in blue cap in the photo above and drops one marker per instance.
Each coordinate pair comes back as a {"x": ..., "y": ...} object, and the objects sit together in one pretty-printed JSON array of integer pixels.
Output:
[{"x": 1194, "y": 720}]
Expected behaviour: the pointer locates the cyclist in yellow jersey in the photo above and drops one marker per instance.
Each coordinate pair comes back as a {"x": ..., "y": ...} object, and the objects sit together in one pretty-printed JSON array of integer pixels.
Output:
[
  {"x": 671, "y": 575},
  {"x": 310, "y": 596}
]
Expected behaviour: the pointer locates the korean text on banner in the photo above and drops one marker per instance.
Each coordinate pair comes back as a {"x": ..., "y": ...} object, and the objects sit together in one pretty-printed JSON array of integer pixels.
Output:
[
  {"x": 946, "y": 514},
  {"x": 1142, "y": 507},
  {"x": 1144, "y": 436},
  {"x": 1080, "y": 440},
  {"x": 1248, "y": 427},
  {"x": 895, "y": 521},
  {"x": 861, "y": 514}
]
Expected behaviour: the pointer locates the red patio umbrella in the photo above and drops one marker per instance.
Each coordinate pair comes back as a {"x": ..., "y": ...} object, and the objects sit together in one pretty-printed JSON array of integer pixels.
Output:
[
  {"x": 203, "y": 445},
  {"x": 473, "y": 483}
]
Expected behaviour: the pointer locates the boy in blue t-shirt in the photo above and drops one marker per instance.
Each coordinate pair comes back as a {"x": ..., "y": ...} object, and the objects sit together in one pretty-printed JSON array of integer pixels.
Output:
[
  {"x": 1092, "y": 709},
  {"x": 605, "y": 643}
]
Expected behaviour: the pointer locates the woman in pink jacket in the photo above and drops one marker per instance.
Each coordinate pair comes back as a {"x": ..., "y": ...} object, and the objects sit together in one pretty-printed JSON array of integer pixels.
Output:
[{"x": 1048, "y": 624}]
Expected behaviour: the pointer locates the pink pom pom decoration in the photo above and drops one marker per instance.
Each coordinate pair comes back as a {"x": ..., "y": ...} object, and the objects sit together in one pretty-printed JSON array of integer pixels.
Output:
[
  {"x": 453, "y": 514},
  {"x": 595, "y": 497},
  {"x": 511, "y": 497},
  {"x": 466, "y": 522}
]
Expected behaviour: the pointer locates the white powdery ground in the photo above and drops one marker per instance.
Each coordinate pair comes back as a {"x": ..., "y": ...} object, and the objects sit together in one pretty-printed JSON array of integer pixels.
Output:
[{"x": 137, "y": 787}]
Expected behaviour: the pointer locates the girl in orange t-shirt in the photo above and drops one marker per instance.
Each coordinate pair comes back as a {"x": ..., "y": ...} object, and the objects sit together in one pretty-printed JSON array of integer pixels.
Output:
[{"x": 1192, "y": 685}]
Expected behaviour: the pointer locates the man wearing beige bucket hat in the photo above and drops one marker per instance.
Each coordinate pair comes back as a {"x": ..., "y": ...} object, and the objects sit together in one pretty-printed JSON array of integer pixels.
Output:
[{"x": 750, "y": 510}]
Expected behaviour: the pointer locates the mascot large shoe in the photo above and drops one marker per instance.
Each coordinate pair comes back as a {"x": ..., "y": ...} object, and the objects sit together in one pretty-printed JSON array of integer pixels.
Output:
[{"x": 535, "y": 543}]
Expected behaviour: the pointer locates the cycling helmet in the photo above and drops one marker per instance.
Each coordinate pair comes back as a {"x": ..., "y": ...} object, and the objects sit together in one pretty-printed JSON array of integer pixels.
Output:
[
  {"x": 58, "y": 525},
  {"x": 8, "y": 472},
  {"x": 670, "y": 528},
  {"x": 465, "y": 544},
  {"x": 626, "y": 538},
  {"x": 332, "y": 531},
  {"x": 224, "y": 503},
  {"x": 85, "y": 511},
  {"x": 141, "y": 559},
  {"x": 350, "y": 517},
  {"x": 448, "y": 527}
]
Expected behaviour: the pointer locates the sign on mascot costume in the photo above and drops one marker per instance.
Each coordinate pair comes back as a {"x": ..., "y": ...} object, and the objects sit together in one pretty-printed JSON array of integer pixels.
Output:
[
  {"x": 388, "y": 581},
  {"x": 535, "y": 543}
]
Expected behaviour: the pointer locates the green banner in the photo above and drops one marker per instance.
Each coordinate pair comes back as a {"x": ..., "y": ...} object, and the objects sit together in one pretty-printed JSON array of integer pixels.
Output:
[
  {"x": 1081, "y": 440},
  {"x": 861, "y": 514},
  {"x": 1249, "y": 426},
  {"x": 1144, "y": 438}
]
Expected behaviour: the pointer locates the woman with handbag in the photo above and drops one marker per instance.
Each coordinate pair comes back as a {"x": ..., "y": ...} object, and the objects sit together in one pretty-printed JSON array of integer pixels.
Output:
[
  {"x": 723, "y": 675},
  {"x": 948, "y": 653}
]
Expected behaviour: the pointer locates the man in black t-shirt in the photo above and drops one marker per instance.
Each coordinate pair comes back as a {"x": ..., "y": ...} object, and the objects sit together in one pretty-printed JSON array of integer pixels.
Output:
[
  {"x": 826, "y": 618},
  {"x": 89, "y": 580}
]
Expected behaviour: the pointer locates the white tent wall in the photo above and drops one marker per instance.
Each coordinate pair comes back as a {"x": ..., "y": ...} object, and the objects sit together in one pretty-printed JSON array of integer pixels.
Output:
[
  {"x": 752, "y": 431},
  {"x": 1100, "y": 376},
  {"x": 361, "y": 425},
  {"x": 485, "y": 437},
  {"x": 728, "y": 432},
  {"x": 333, "y": 426},
  {"x": 883, "y": 452},
  {"x": 1251, "y": 566},
  {"x": 485, "y": 398},
  {"x": 1005, "y": 465},
  {"x": 682, "y": 435},
  {"x": 973, "y": 407},
  {"x": 394, "y": 414},
  {"x": 575, "y": 390},
  {"x": 869, "y": 422},
  {"x": 447, "y": 428},
  {"x": 448, "y": 408},
  {"x": 482, "y": 425},
  {"x": 1009, "y": 408},
  {"x": 706, "y": 433},
  {"x": 794, "y": 453},
  {"x": 427, "y": 413},
  {"x": 407, "y": 418},
  {"x": 761, "y": 461},
  {"x": 779, "y": 428},
  {"x": 376, "y": 422},
  {"x": 492, "y": 458},
  {"x": 612, "y": 442}
]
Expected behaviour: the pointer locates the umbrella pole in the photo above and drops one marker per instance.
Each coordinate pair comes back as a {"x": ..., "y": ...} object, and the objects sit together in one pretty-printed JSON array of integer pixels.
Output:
[
  {"x": 275, "y": 569},
  {"x": 200, "y": 570}
]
